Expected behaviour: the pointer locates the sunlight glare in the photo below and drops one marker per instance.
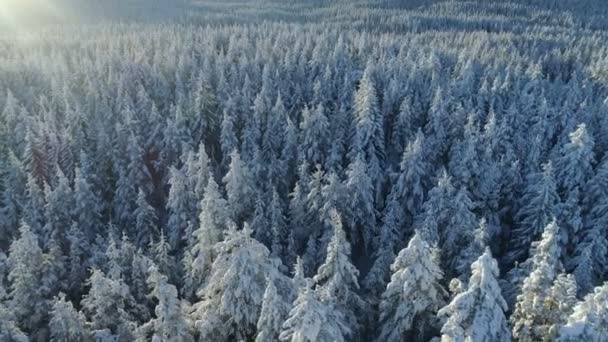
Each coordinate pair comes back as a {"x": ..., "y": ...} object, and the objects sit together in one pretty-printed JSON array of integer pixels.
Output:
[{"x": 24, "y": 14}]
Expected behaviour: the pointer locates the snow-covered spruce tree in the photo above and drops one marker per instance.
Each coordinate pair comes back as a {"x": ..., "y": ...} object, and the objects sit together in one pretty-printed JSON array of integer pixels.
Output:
[
  {"x": 66, "y": 323},
  {"x": 235, "y": 288},
  {"x": 413, "y": 296},
  {"x": 368, "y": 140},
  {"x": 170, "y": 322},
  {"x": 163, "y": 258},
  {"x": 239, "y": 189},
  {"x": 411, "y": 182},
  {"x": 314, "y": 134},
  {"x": 478, "y": 313},
  {"x": 575, "y": 163},
  {"x": 387, "y": 242},
  {"x": 25, "y": 275},
  {"x": 337, "y": 278},
  {"x": 57, "y": 211},
  {"x": 212, "y": 222},
  {"x": 313, "y": 320},
  {"x": 272, "y": 315},
  {"x": 457, "y": 235},
  {"x": 533, "y": 318},
  {"x": 361, "y": 212},
  {"x": 11, "y": 197},
  {"x": 87, "y": 211},
  {"x": 146, "y": 222},
  {"x": 105, "y": 306},
  {"x": 538, "y": 209},
  {"x": 589, "y": 320},
  {"x": 9, "y": 329},
  {"x": 181, "y": 207}
]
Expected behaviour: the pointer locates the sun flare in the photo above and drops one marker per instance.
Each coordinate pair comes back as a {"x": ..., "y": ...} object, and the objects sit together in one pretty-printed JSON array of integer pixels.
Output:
[{"x": 23, "y": 14}]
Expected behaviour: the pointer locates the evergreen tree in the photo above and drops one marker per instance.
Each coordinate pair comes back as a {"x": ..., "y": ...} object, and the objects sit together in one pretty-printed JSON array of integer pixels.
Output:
[
  {"x": 239, "y": 188},
  {"x": 170, "y": 322},
  {"x": 313, "y": 320},
  {"x": 235, "y": 288},
  {"x": 181, "y": 207},
  {"x": 213, "y": 221},
  {"x": 146, "y": 222},
  {"x": 87, "y": 211},
  {"x": 272, "y": 315},
  {"x": 337, "y": 278},
  {"x": 314, "y": 132},
  {"x": 67, "y": 324},
  {"x": 538, "y": 209},
  {"x": 25, "y": 275},
  {"x": 106, "y": 307},
  {"x": 361, "y": 211},
  {"x": 575, "y": 164},
  {"x": 413, "y": 296},
  {"x": 478, "y": 313},
  {"x": 531, "y": 317},
  {"x": 589, "y": 320}
]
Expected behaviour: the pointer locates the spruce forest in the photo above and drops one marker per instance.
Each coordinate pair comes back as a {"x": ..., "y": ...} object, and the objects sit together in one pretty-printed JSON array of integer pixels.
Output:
[{"x": 303, "y": 171}]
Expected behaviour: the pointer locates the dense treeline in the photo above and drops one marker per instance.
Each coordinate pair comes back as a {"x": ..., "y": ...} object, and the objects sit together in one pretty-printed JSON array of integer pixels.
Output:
[{"x": 354, "y": 172}]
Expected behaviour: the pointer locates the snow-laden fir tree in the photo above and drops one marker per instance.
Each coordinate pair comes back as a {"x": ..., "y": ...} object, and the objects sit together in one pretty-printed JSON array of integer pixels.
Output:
[
  {"x": 66, "y": 323},
  {"x": 181, "y": 207},
  {"x": 314, "y": 132},
  {"x": 361, "y": 213},
  {"x": 478, "y": 313},
  {"x": 589, "y": 320},
  {"x": 313, "y": 320},
  {"x": 413, "y": 296},
  {"x": 538, "y": 209},
  {"x": 170, "y": 322},
  {"x": 25, "y": 276},
  {"x": 239, "y": 189},
  {"x": 337, "y": 278},
  {"x": 212, "y": 223},
  {"x": 272, "y": 315},
  {"x": 105, "y": 307},
  {"x": 146, "y": 221},
  {"x": 235, "y": 287},
  {"x": 532, "y": 317},
  {"x": 575, "y": 164}
]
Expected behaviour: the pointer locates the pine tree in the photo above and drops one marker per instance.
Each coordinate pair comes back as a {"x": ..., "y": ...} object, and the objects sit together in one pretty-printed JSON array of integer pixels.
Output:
[
  {"x": 537, "y": 211},
  {"x": 589, "y": 320},
  {"x": 575, "y": 164},
  {"x": 106, "y": 306},
  {"x": 531, "y": 319},
  {"x": 361, "y": 212},
  {"x": 67, "y": 324},
  {"x": 235, "y": 288},
  {"x": 410, "y": 185},
  {"x": 272, "y": 315},
  {"x": 337, "y": 278},
  {"x": 9, "y": 330},
  {"x": 413, "y": 296},
  {"x": 25, "y": 276},
  {"x": 181, "y": 207},
  {"x": 390, "y": 232},
  {"x": 313, "y": 320},
  {"x": 478, "y": 313},
  {"x": 57, "y": 211},
  {"x": 87, "y": 211},
  {"x": 369, "y": 134},
  {"x": 239, "y": 188},
  {"x": 146, "y": 222},
  {"x": 213, "y": 221},
  {"x": 170, "y": 322},
  {"x": 315, "y": 134}
]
